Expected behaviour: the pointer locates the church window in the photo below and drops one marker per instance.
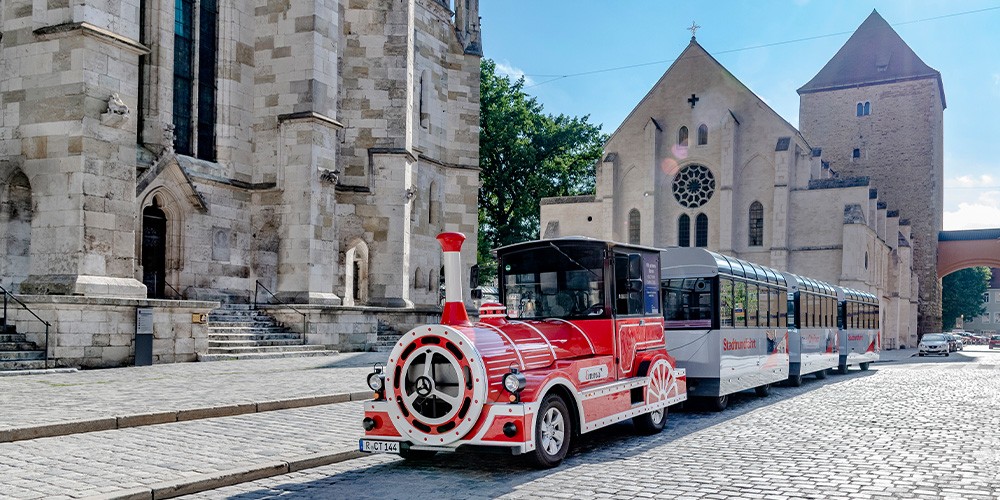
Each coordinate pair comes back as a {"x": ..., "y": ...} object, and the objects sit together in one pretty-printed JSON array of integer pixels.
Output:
[
  {"x": 864, "y": 108},
  {"x": 856, "y": 153},
  {"x": 701, "y": 231},
  {"x": 702, "y": 135},
  {"x": 693, "y": 186},
  {"x": 425, "y": 91},
  {"x": 684, "y": 231},
  {"x": 756, "y": 224},
  {"x": 682, "y": 136},
  {"x": 861, "y": 109},
  {"x": 195, "y": 77},
  {"x": 633, "y": 226}
]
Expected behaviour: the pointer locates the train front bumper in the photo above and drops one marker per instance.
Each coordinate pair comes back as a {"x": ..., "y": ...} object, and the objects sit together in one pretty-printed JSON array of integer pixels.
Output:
[{"x": 500, "y": 425}]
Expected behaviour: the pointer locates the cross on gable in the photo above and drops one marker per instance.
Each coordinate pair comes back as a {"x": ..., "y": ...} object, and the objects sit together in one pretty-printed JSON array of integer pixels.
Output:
[
  {"x": 693, "y": 100},
  {"x": 694, "y": 27}
]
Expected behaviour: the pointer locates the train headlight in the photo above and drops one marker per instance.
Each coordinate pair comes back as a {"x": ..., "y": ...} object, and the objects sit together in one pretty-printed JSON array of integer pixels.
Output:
[
  {"x": 376, "y": 381},
  {"x": 514, "y": 381}
]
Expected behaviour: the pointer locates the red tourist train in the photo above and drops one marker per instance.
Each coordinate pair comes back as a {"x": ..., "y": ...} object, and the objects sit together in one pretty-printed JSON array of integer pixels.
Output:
[{"x": 579, "y": 343}]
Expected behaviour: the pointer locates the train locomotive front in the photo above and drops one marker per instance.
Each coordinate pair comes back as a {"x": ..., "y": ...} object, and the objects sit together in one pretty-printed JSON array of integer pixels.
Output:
[{"x": 557, "y": 360}]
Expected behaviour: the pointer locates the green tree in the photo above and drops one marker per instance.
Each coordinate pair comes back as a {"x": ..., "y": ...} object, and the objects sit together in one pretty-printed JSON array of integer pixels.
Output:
[
  {"x": 962, "y": 294},
  {"x": 524, "y": 156}
]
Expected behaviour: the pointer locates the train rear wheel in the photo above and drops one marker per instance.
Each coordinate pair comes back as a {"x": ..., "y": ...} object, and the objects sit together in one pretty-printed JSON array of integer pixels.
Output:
[
  {"x": 762, "y": 390},
  {"x": 842, "y": 369},
  {"x": 864, "y": 366},
  {"x": 553, "y": 429},
  {"x": 652, "y": 422},
  {"x": 821, "y": 374},
  {"x": 717, "y": 403},
  {"x": 795, "y": 380}
]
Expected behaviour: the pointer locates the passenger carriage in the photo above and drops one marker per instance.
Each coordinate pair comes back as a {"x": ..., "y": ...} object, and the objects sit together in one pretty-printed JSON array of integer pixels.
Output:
[
  {"x": 725, "y": 322},
  {"x": 576, "y": 345},
  {"x": 860, "y": 338},
  {"x": 812, "y": 328}
]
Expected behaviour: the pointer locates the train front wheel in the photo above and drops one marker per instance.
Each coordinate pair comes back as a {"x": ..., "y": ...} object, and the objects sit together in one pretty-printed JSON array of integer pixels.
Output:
[
  {"x": 553, "y": 428},
  {"x": 762, "y": 390}
]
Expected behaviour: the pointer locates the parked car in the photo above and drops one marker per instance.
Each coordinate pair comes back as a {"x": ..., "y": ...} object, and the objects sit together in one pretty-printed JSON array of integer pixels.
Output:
[
  {"x": 995, "y": 342},
  {"x": 956, "y": 343},
  {"x": 936, "y": 343}
]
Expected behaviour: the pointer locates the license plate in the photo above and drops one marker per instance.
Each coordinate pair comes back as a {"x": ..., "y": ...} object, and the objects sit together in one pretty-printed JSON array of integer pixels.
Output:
[{"x": 372, "y": 446}]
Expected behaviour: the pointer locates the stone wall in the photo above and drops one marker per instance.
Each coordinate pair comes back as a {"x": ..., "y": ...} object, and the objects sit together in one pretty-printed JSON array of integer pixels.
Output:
[
  {"x": 351, "y": 328},
  {"x": 100, "y": 332},
  {"x": 904, "y": 163}
]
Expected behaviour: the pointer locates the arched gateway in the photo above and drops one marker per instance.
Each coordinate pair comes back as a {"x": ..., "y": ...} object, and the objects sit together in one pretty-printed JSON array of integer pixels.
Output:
[{"x": 968, "y": 248}]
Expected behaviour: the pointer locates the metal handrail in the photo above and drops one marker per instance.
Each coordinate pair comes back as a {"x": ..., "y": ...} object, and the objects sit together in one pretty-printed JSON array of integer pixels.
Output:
[
  {"x": 177, "y": 293},
  {"x": 6, "y": 293},
  {"x": 256, "y": 290}
]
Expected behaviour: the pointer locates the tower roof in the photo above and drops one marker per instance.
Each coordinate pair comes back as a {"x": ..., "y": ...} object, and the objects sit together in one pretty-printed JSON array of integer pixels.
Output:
[{"x": 874, "y": 54}]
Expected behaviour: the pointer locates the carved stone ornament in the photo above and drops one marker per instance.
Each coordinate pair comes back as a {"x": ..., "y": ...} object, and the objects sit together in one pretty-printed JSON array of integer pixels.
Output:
[
  {"x": 117, "y": 114},
  {"x": 411, "y": 193},
  {"x": 330, "y": 176}
]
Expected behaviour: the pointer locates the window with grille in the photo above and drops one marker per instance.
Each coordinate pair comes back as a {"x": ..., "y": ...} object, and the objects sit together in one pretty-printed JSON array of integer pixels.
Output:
[
  {"x": 702, "y": 135},
  {"x": 701, "y": 231},
  {"x": 756, "y": 238},
  {"x": 633, "y": 226},
  {"x": 195, "y": 127},
  {"x": 684, "y": 231}
]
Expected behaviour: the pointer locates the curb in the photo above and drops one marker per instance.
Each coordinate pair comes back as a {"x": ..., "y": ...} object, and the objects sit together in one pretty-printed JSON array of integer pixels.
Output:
[
  {"x": 229, "y": 477},
  {"x": 170, "y": 416}
]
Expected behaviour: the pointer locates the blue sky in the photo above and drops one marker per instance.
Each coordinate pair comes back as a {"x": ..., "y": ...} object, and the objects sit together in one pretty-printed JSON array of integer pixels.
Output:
[{"x": 773, "y": 47}]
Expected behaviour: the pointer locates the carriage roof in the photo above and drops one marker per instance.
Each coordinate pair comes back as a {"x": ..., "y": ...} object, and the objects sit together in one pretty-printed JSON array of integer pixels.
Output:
[{"x": 686, "y": 262}]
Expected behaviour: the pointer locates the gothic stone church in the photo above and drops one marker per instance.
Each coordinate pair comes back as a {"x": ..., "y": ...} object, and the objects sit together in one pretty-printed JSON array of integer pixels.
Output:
[
  {"x": 171, "y": 154},
  {"x": 852, "y": 198}
]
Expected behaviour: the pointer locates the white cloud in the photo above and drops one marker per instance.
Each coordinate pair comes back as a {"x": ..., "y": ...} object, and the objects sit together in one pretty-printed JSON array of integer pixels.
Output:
[
  {"x": 506, "y": 69},
  {"x": 985, "y": 180},
  {"x": 981, "y": 213}
]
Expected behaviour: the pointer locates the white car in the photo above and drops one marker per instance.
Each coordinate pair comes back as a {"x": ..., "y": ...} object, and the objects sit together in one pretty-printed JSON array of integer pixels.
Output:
[{"x": 934, "y": 343}]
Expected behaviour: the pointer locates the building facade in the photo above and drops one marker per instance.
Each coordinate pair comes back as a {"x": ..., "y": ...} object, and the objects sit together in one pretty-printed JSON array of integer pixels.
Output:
[
  {"x": 186, "y": 150},
  {"x": 989, "y": 322},
  {"x": 702, "y": 161}
]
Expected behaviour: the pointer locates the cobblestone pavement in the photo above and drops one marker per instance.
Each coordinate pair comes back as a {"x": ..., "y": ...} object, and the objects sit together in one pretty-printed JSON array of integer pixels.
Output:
[
  {"x": 32, "y": 400},
  {"x": 95, "y": 463},
  {"x": 913, "y": 428}
]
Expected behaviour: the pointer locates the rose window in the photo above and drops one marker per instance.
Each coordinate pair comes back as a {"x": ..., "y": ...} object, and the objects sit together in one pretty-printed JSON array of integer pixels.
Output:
[{"x": 693, "y": 186}]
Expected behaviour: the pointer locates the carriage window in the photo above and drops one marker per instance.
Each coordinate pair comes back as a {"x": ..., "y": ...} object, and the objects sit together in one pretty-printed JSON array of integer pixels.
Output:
[
  {"x": 740, "y": 304},
  {"x": 764, "y": 302},
  {"x": 752, "y": 305},
  {"x": 687, "y": 303},
  {"x": 782, "y": 309},
  {"x": 553, "y": 282},
  {"x": 725, "y": 303}
]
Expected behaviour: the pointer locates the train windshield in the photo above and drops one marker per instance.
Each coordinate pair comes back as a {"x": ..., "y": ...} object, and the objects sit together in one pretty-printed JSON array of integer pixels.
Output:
[{"x": 565, "y": 281}]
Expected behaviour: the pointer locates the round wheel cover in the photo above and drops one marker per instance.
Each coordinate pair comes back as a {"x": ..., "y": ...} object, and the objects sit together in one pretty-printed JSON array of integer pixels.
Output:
[{"x": 437, "y": 383}]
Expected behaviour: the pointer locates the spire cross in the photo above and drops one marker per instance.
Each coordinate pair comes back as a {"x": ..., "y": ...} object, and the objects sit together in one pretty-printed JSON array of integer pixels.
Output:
[{"x": 694, "y": 27}]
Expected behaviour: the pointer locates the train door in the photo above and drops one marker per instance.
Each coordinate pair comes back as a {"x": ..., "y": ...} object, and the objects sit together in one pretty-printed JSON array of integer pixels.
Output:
[{"x": 638, "y": 322}]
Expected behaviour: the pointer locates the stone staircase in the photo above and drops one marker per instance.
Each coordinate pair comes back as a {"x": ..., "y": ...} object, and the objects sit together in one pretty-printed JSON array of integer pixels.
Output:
[
  {"x": 387, "y": 337},
  {"x": 17, "y": 352},
  {"x": 237, "y": 331}
]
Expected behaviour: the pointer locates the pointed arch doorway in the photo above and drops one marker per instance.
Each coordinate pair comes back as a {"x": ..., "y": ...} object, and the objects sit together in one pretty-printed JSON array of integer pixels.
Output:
[{"x": 154, "y": 250}]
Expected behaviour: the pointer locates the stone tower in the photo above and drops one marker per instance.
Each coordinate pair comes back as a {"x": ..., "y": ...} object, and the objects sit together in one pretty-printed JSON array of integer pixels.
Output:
[{"x": 876, "y": 110}]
